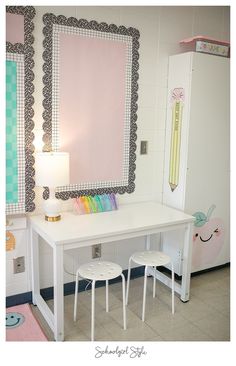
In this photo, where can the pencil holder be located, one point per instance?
(95, 204)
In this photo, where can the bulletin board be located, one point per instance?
(90, 102)
(19, 110)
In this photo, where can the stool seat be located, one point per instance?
(100, 271)
(151, 258)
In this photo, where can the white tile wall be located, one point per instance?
(161, 28)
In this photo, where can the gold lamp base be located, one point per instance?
(52, 218)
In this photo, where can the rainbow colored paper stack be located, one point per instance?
(94, 204)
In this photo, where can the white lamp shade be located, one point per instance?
(51, 169)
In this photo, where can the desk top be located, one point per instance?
(132, 218)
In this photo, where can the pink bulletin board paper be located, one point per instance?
(92, 106)
(14, 28)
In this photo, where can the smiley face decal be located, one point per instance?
(13, 320)
(208, 238)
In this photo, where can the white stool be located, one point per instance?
(99, 271)
(150, 259)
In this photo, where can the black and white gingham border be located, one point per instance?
(26, 112)
(53, 26)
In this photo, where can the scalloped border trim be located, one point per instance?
(51, 19)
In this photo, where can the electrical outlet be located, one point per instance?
(19, 265)
(96, 251)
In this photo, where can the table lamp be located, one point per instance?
(52, 170)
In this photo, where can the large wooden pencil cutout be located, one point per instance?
(177, 99)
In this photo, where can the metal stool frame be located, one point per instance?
(93, 281)
(154, 282)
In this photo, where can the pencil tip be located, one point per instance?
(173, 186)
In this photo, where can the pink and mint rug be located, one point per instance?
(21, 325)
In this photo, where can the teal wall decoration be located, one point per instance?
(11, 133)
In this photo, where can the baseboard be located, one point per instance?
(19, 299)
(179, 278)
(210, 269)
(69, 288)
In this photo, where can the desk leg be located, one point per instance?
(187, 261)
(34, 264)
(58, 293)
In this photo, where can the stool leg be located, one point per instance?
(76, 294)
(144, 293)
(123, 294)
(154, 282)
(93, 310)
(107, 301)
(128, 281)
(173, 288)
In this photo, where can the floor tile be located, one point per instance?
(217, 327)
(188, 332)
(195, 309)
(164, 321)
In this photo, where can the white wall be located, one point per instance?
(161, 28)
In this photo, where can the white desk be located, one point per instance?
(76, 231)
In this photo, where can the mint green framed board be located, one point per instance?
(19, 110)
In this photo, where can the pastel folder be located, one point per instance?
(92, 204)
(113, 201)
(86, 204)
(98, 202)
(78, 206)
